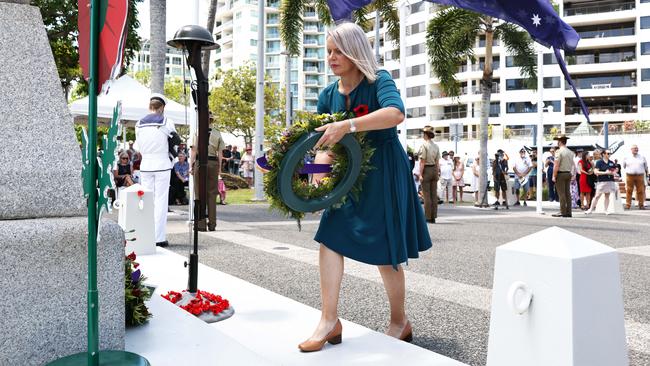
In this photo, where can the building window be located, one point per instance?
(238, 15)
(510, 62)
(253, 27)
(415, 70)
(392, 55)
(645, 48)
(415, 28)
(417, 7)
(253, 42)
(415, 49)
(645, 74)
(645, 100)
(416, 91)
(528, 107)
(549, 59)
(177, 61)
(645, 22)
(416, 112)
(254, 13)
(166, 70)
(516, 84)
(394, 74)
(551, 82)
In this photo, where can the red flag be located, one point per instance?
(112, 38)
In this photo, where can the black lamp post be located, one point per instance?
(194, 39)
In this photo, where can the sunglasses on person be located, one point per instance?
(124, 158)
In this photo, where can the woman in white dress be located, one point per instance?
(247, 166)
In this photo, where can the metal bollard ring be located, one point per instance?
(295, 156)
(522, 306)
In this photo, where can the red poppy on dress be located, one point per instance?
(360, 110)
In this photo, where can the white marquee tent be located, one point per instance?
(135, 103)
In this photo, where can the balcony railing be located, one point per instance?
(595, 9)
(605, 33)
(272, 34)
(603, 58)
(311, 95)
(311, 55)
(453, 115)
(604, 109)
(603, 83)
(481, 66)
(310, 14)
(311, 69)
(314, 29)
(312, 81)
(311, 41)
(477, 88)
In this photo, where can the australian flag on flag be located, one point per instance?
(537, 17)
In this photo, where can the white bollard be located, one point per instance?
(136, 213)
(557, 300)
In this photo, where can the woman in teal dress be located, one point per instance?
(386, 226)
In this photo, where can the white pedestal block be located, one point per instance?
(615, 203)
(136, 213)
(575, 316)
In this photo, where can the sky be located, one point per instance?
(179, 13)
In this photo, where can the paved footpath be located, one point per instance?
(448, 288)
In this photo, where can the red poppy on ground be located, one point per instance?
(360, 110)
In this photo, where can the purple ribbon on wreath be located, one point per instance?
(306, 169)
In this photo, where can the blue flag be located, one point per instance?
(537, 17)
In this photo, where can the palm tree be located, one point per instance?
(205, 61)
(291, 22)
(158, 46)
(451, 36)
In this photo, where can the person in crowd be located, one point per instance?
(429, 173)
(532, 177)
(563, 171)
(152, 133)
(573, 188)
(135, 167)
(226, 157)
(386, 225)
(131, 151)
(636, 173)
(522, 169)
(500, 177)
(605, 171)
(586, 171)
(182, 148)
(451, 155)
(222, 191)
(248, 165)
(216, 147)
(180, 180)
(576, 161)
(235, 160)
(457, 179)
(550, 166)
(618, 168)
(476, 170)
(446, 168)
(122, 173)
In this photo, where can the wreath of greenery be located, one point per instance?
(303, 188)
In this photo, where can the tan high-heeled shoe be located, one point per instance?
(407, 333)
(333, 337)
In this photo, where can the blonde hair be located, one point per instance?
(351, 40)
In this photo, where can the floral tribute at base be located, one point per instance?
(200, 303)
(135, 292)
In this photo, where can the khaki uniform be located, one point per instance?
(564, 158)
(215, 145)
(429, 155)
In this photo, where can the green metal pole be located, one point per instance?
(93, 303)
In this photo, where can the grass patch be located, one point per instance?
(241, 196)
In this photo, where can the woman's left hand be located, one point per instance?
(333, 133)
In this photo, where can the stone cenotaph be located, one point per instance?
(43, 227)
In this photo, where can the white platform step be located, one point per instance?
(265, 329)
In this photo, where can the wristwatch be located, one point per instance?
(353, 127)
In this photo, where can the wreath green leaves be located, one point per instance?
(302, 187)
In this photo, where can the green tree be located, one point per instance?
(291, 21)
(173, 87)
(451, 36)
(233, 104)
(60, 19)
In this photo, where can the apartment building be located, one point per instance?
(173, 61)
(611, 69)
(236, 32)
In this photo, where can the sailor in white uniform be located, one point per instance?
(152, 133)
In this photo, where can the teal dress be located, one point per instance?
(386, 226)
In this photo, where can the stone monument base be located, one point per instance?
(44, 271)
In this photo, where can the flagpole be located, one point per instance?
(540, 129)
(93, 298)
(259, 103)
